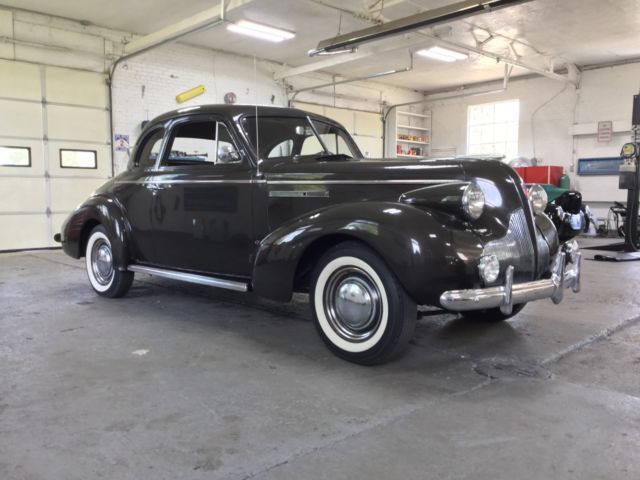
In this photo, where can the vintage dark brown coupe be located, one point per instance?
(276, 200)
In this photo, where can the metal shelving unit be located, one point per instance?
(410, 134)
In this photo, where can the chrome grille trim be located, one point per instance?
(515, 248)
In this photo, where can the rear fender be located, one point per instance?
(417, 244)
(97, 210)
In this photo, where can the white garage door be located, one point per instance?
(54, 148)
(365, 127)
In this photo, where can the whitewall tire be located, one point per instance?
(104, 276)
(361, 311)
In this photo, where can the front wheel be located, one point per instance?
(360, 309)
(104, 276)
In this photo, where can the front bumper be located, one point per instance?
(565, 274)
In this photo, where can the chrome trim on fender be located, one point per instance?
(564, 275)
(299, 193)
(191, 278)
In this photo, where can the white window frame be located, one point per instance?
(512, 137)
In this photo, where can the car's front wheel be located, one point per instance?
(105, 278)
(360, 309)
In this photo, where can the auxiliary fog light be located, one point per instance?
(489, 268)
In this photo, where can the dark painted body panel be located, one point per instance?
(240, 221)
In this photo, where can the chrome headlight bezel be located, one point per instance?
(538, 199)
(489, 268)
(473, 201)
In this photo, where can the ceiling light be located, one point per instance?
(257, 30)
(442, 54)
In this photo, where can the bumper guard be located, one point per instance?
(565, 274)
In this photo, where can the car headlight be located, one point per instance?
(473, 201)
(489, 268)
(538, 198)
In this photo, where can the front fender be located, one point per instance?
(97, 210)
(428, 251)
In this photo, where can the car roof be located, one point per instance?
(233, 111)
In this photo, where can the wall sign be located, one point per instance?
(605, 131)
(121, 143)
(599, 166)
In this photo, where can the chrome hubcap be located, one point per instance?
(102, 262)
(352, 304)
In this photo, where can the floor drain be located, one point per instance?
(509, 368)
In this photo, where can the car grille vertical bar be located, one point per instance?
(515, 248)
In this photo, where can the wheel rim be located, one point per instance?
(352, 304)
(102, 262)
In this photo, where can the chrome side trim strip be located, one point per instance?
(191, 278)
(299, 194)
(174, 182)
(296, 182)
(359, 182)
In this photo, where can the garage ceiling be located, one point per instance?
(582, 32)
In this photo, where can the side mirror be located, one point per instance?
(227, 154)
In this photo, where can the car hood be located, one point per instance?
(389, 171)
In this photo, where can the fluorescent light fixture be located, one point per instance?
(257, 30)
(442, 54)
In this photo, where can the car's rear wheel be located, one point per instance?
(492, 315)
(105, 278)
(360, 309)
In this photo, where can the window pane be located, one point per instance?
(151, 149)
(15, 157)
(193, 143)
(78, 159)
(311, 146)
(227, 151)
(493, 128)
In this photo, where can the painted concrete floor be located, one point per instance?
(183, 382)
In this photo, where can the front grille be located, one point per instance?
(515, 248)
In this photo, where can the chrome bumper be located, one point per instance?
(565, 274)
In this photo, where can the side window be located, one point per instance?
(283, 149)
(335, 143)
(311, 146)
(226, 149)
(150, 150)
(201, 143)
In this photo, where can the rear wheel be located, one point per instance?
(360, 309)
(491, 315)
(104, 276)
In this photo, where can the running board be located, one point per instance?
(191, 278)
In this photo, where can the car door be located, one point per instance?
(202, 216)
(135, 191)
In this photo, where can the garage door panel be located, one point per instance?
(77, 123)
(20, 80)
(35, 147)
(309, 107)
(24, 231)
(76, 87)
(103, 162)
(369, 146)
(340, 115)
(68, 193)
(368, 124)
(20, 119)
(22, 195)
(57, 219)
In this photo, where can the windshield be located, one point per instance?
(284, 137)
